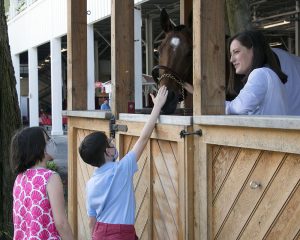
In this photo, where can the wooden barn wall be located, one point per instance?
(247, 183)
(79, 172)
(163, 183)
(269, 211)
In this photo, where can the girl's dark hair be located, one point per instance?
(93, 147)
(263, 56)
(27, 148)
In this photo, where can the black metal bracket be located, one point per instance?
(116, 127)
(184, 133)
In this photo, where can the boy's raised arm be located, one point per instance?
(158, 101)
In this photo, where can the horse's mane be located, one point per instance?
(179, 28)
(182, 28)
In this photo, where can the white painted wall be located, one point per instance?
(47, 19)
(42, 21)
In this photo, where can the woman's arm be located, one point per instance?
(252, 94)
(57, 202)
(158, 101)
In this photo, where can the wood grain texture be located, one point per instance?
(77, 54)
(209, 45)
(122, 55)
(287, 225)
(79, 172)
(242, 207)
(232, 185)
(280, 187)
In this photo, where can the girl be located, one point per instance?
(38, 205)
(263, 93)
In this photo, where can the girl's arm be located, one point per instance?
(158, 101)
(57, 202)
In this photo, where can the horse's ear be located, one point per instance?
(165, 22)
(190, 20)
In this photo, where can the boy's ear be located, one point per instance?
(106, 151)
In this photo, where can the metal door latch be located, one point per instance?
(119, 128)
(116, 128)
(184, 133)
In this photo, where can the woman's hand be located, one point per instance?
(188, 87)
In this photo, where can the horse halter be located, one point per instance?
(171, 75)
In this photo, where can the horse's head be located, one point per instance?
(175, 62)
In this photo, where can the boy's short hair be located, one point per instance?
(93, 147)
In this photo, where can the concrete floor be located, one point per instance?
(61, 160)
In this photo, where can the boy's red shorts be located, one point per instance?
(106, 231)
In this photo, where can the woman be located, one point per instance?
(263, 92)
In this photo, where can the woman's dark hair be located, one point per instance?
(93, 147)
(263, 56)
(27, 148)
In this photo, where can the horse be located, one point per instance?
(175, 67)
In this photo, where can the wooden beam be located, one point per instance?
(72, 178)
(77, 55)
(238, 14)
(122, 54)
(209, 57)
(186, 8)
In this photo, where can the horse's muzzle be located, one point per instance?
(171, 103)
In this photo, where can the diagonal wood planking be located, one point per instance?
(163, 183)
(240, 212)
(287, 226)
(280, 188)
(221, 165)
(83, 173)
(168, 152)
(232, 185)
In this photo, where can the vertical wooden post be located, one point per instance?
(72, 178)
(77, 55)
(238, 14)
(189, 184)
(122, 54)
(209, 57)
(77, 92)
(186, 7)
(208, 98)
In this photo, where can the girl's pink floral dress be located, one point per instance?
(32, 214)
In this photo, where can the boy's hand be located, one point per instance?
(161, 97)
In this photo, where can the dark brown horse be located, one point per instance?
(175, 66)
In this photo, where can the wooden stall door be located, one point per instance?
(255, 194)
(162, 188)
(79, 173)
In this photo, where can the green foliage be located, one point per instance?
(5, 235)
(52, 166)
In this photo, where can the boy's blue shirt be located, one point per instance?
(110, 192)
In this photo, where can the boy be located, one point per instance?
(110, 193)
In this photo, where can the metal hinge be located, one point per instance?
(119, 128)
(116, 128)
(184, 133)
